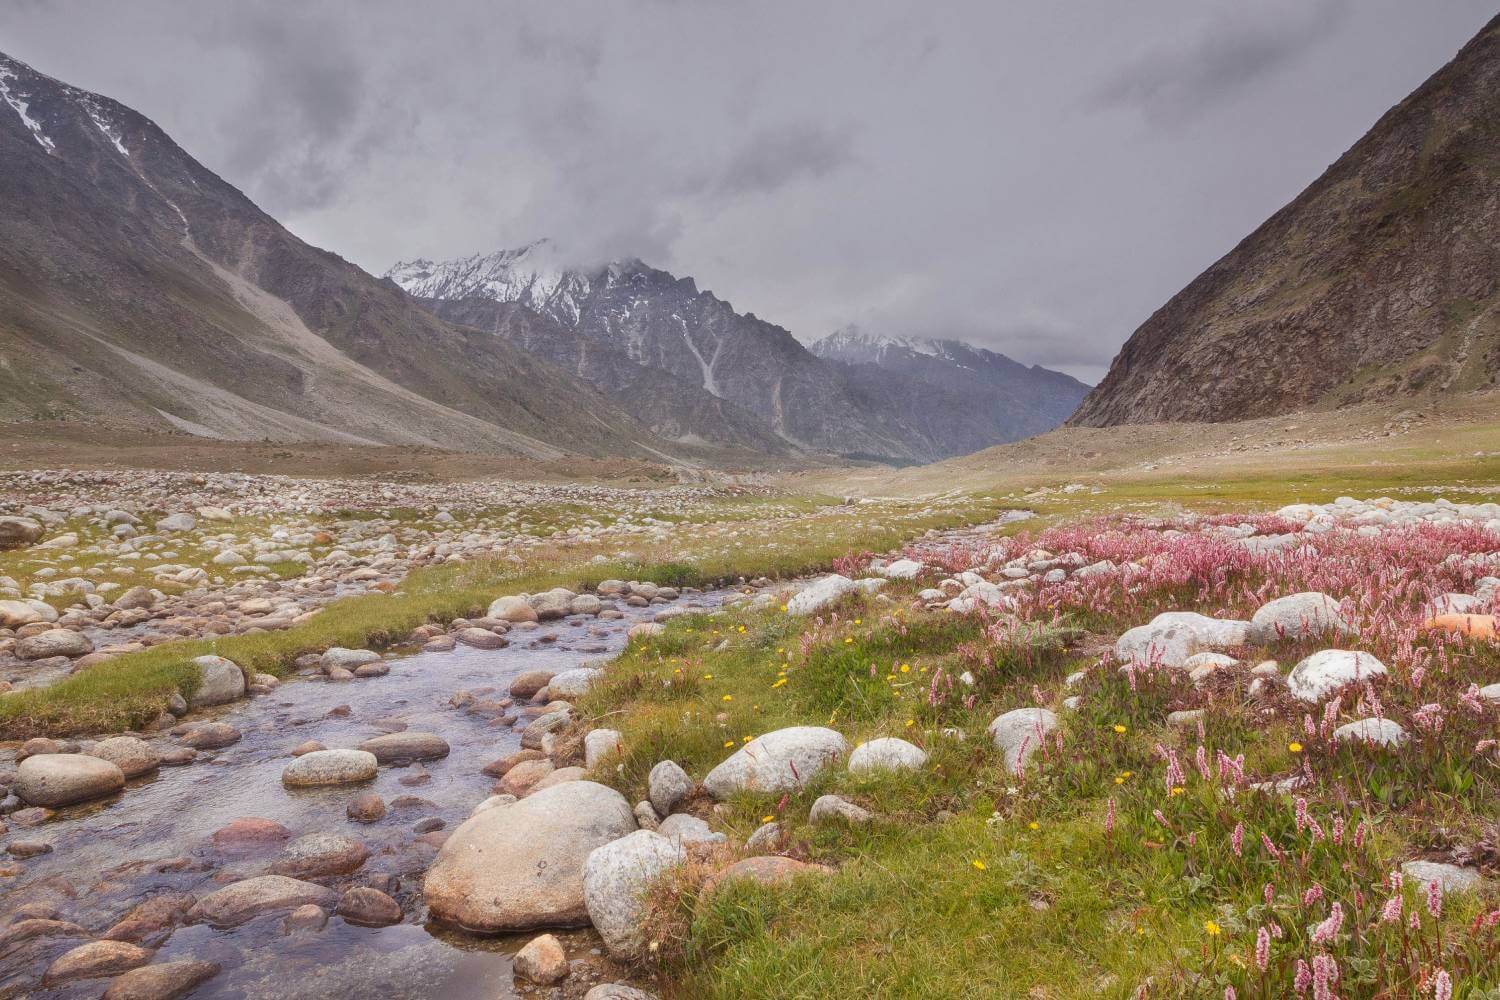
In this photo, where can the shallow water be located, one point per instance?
(105, 854)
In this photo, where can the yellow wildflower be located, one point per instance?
(978, 865)
(1119, 728)
(1213, 929)
(1294, 747)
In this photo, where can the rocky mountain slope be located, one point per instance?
(625, 316)
(1001, 399)
(1382, 278)
(137, 288)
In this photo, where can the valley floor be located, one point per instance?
(1177, 829)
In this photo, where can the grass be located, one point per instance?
(132, 689)
(972, 881)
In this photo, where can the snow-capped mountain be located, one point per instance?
(658, 321)
(1007, 400)
(140, 291)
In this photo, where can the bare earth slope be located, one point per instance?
(1382, 278)
(137, 288)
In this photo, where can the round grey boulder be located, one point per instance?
(779, 761)
(405, 747)
(220, 681)
(349, 659)
(571, 684)
(236, 903)
(61, 779)
(887, 754)
(1018, 733)
(615, 879)
(330, 767)
(55, 642)
(520, 867)
(131, 755)
(667, 785)
(1297, 616)
(1374, 732)
(1326, 671)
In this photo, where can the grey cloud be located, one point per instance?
(1243, 45)
(772, 157)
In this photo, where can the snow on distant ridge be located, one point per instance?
(535, 275)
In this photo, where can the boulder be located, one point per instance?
(60, 779)
(520, 866)
(1323, 673)
(615, 879)
(820, 594)
(520, 779)
(14, 614)
(511, 609)
(667, 784)
(1172, 637)
(177, 522)
(617, 991)
(555, 603)
(250, 834)
(1375, 732)
(779, 761)
(1475, 626)
(163, 981)
(367, 907)
(135, 598)
(330, 767)
(366, 808)
(481, 638)
(18, 531)
(684, 828)
(586, 604)
(210, 736)
(599, 745)
(319, 855)
(902, 569)
(240, 901)
(1018, 733)
(1450, 878)
(54, 642)
(95, 960)
(571, 684)
(887, 754)
(131, 755)
(1297, 616)
(769, 869)
(349, 659)
(405, 747)
(559, 776)
(527, 684)
(220, 681)
(832, 808)
(542, 961)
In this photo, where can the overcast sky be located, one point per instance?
(1036, 177)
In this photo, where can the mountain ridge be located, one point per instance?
(138, 287)
(1380, 279)
(656, 320)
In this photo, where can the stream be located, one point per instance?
(110, 855)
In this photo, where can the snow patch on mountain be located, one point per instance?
(22, 106)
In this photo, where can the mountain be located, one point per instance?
(1381, 279)
(1001, 399)
(138, 288)
(625, 316)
